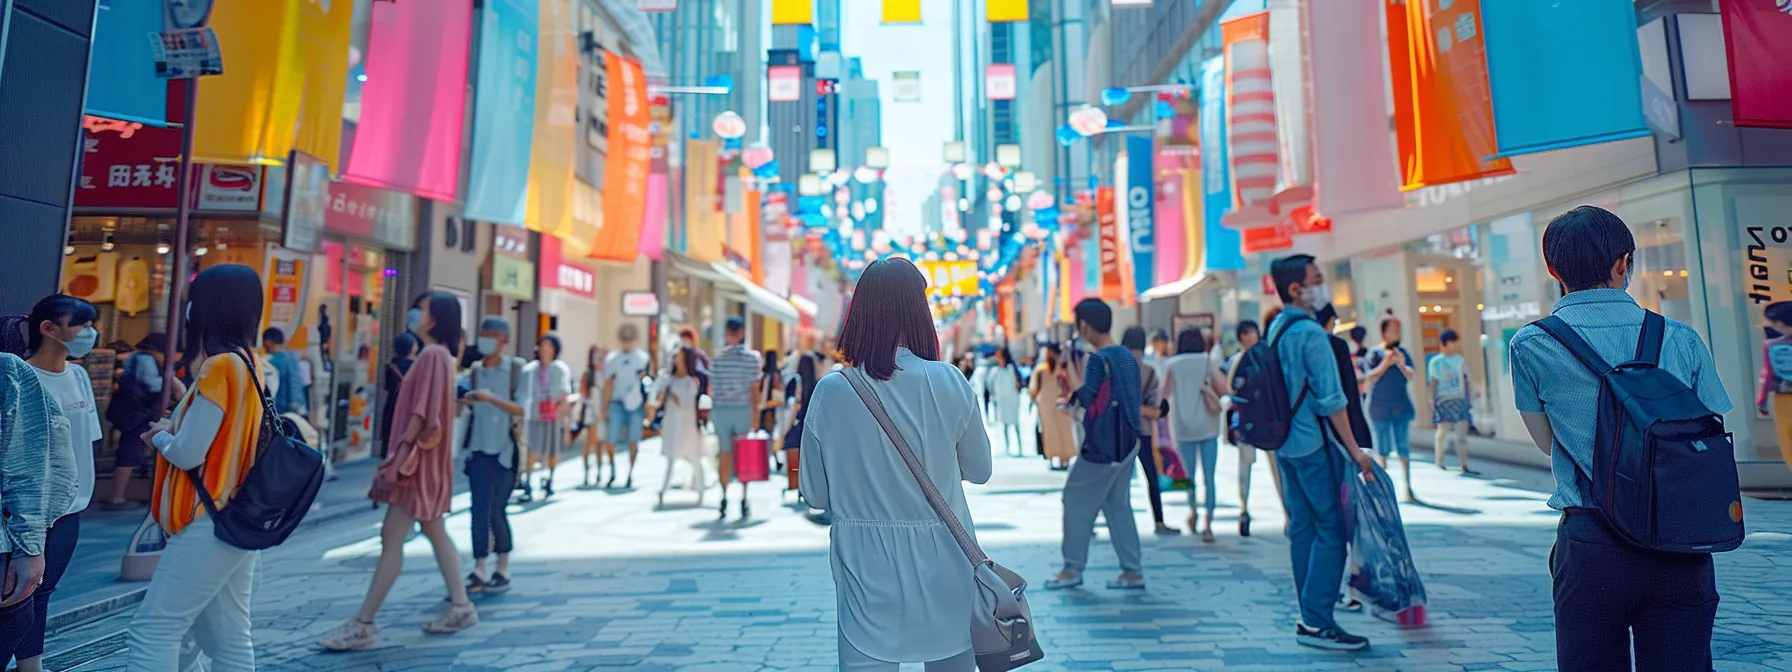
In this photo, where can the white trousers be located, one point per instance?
(201, 586)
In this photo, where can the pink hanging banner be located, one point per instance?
(1171, 227)
(1353, 148)
(414, 99)
(653, 224)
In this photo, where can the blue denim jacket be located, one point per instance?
(1307, 364)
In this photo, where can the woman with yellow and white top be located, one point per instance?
(201, 583)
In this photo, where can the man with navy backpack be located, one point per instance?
(1630, 410)
(1312, 464)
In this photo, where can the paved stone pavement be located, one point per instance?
(605, 581)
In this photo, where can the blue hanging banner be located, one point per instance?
(1563, 74)
(1224, 248)
(1140, 196)
(503, 112)
(122, 83)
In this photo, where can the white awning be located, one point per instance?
(733, 286)
(758, 299)
(804, 305)
(1177, 288)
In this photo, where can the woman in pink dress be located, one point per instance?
(416, 480)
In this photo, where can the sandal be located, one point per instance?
(1062, 582)
(1127, 582)
(454, 618)
(351, 636)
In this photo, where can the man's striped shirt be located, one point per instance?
(731, 376)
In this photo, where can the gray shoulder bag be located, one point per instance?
(1002, 623)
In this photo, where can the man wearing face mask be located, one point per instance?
(1312, 460)
(497, 398)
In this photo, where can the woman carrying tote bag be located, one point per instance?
(907, 587)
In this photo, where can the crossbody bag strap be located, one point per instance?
(856, 378)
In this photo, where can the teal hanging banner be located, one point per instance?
(1140, 201)
(503, 112)
(1564, 73)
(122, 82)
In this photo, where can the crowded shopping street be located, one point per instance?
(610, 581)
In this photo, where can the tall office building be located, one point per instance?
(709, 42)
(861, 115)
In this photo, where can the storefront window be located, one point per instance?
(1743, 252)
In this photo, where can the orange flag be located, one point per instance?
(1443, 109)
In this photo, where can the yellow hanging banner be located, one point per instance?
(1002, 11)
(902, 11)
(548, 205)
(793, 12)
(285, 85)
(705, 226)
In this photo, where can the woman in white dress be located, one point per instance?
(680, 437)
(904, 588)
(1004, 381)
(1194, 387)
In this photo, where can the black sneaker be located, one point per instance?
(476, 584)
(1331, 639)
(498, 584)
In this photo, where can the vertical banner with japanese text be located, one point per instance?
(503, 112)
(1108, 232)
(1443, 111)
(1353, 151)
(626, 166)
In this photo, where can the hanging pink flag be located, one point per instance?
(653, 220)
(1353, 146)
(1171, 237)
(413, 101)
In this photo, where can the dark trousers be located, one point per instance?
(59, 548)
(15, 622)
(1148, 457)
(490, 484)
(1610, 594)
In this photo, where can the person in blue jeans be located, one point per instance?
(1390, 402)
(1313, 457)
(1611, 598)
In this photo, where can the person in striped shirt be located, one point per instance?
(734, 385)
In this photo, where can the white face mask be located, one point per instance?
(83, 343)
(488, 345)
(1316, 296)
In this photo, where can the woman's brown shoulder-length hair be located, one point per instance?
(889, 309)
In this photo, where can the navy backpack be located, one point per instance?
(1664, 470)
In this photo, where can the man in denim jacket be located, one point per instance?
(1312, 460)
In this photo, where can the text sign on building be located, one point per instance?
(640, 304)
(558, 273)
(999, 81)
(784, 83)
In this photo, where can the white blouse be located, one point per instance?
(904, 588)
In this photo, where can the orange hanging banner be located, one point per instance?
(1443, 109)
(1108, 230)
(625, 169)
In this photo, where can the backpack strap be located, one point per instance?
(1564, 334)
(1648, 345)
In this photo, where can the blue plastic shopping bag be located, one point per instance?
(1381, 565)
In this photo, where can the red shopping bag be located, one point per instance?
(752, 457)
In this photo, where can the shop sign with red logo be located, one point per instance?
(125, 164)
(1267, 238)
(556, 273)
(229, 188)
(381, 215)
